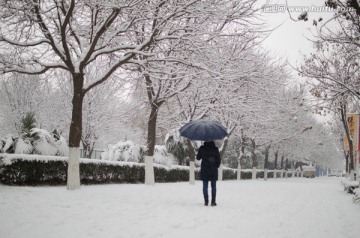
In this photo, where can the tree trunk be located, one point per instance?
(347, 132)
(266, 162)
(282, 166)
(87, 150)
(73, 176)
(241, 153)
(192, 162)
(346, 162)
(151, 135)
(150, 148)
(276, 159)
(282, 162)
(253, 158)
(253, 155)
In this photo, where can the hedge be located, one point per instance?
(42, 170)
(52, 170)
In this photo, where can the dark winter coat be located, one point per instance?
(210, 156)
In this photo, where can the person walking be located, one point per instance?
(210, 156)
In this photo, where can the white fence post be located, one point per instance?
(149, 170)
(254, 173)
(73, 179)
(239, 172)
(275, 173)
(220, 173)
(265, 174)
(192, 173)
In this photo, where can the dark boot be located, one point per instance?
(206, 201)
(213, 203)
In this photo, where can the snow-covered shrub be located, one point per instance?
(37, 141)
(63, 148)
(176, 145)
(350, 186)
(123, 151)
(32, 140)
(161, 156)
(7, 144)
(23, 146)
(45, 143)
(128, 151)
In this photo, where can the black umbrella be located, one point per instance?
(203, 130)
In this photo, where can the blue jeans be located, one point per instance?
(213, 189)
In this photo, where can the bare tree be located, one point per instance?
(333, 75)
(333, 70)
(171, 67)
(38, 37)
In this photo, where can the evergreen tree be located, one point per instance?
(28, 122)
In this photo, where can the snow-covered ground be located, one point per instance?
(279, 208)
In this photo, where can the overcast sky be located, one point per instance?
(289, 40)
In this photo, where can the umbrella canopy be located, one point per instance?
(203, 130)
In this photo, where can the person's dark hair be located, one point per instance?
(209, 144)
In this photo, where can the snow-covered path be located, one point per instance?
(281, 208)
